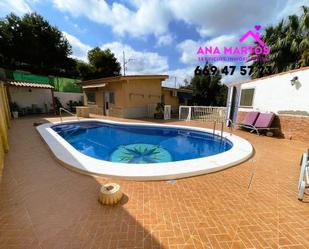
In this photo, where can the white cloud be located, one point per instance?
(165, 40)
(17, 6)
(150, 17)
(79, 49)
(178, 76)
(97, 11)
(141, 62)
(236, 77)
(188, 50)
(149, 63)
(291, 7)
(215, 17)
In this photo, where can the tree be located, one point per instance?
(103, 63)
(31, 43)
(83, 69)
(208, 90)
(289, 45)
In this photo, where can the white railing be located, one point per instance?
(167, 112)
(67, 111)
(213, 114)
(202, 113)
(185, 113)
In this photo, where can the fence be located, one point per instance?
(4, 123)
(65, 85)
(60, 84)
(202, 113)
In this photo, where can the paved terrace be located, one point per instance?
(252, 205)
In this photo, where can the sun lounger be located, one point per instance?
(250, 118)
(248, 121)
(256, 122)
(264, 122)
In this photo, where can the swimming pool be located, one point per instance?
(142, 151)
(140, 144)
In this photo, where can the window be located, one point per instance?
(246, 97)
(90, 97)
(112, 97)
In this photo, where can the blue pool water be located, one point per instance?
(140, 144)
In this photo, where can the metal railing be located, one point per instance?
(212, 114)
(67, 111)
(202, 113)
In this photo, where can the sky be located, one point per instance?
(157, 36)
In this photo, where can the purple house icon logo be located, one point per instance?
(254, 35)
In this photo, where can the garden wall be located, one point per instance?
(65, 98)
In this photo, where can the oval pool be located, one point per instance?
(142, 151)
(140, 144)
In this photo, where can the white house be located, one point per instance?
(285, 94)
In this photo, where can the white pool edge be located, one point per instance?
(70, 157)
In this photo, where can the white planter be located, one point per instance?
(15, 115)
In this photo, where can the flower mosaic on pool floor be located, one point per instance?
(141, 153)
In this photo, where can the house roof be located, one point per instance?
(185, 90)
(28, 84)
(120, 78)
(94, 85)
(269, 76)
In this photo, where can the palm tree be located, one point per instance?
(289, 46)
(304, 44)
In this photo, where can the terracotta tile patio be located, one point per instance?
(252, 205)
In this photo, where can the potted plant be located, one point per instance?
(14, 109)
(159, 114)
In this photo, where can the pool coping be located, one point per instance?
(68, 156)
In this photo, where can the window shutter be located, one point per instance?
(246, 97)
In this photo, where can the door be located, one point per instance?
(106, 103)
(233, 104)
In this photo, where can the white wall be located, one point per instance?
(24, 98)
(276, 94)
(65, 97)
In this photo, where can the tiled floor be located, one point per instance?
(252, 205)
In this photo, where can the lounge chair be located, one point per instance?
(303, 181)
(257, 122)
(264, 122)
(248, 121)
